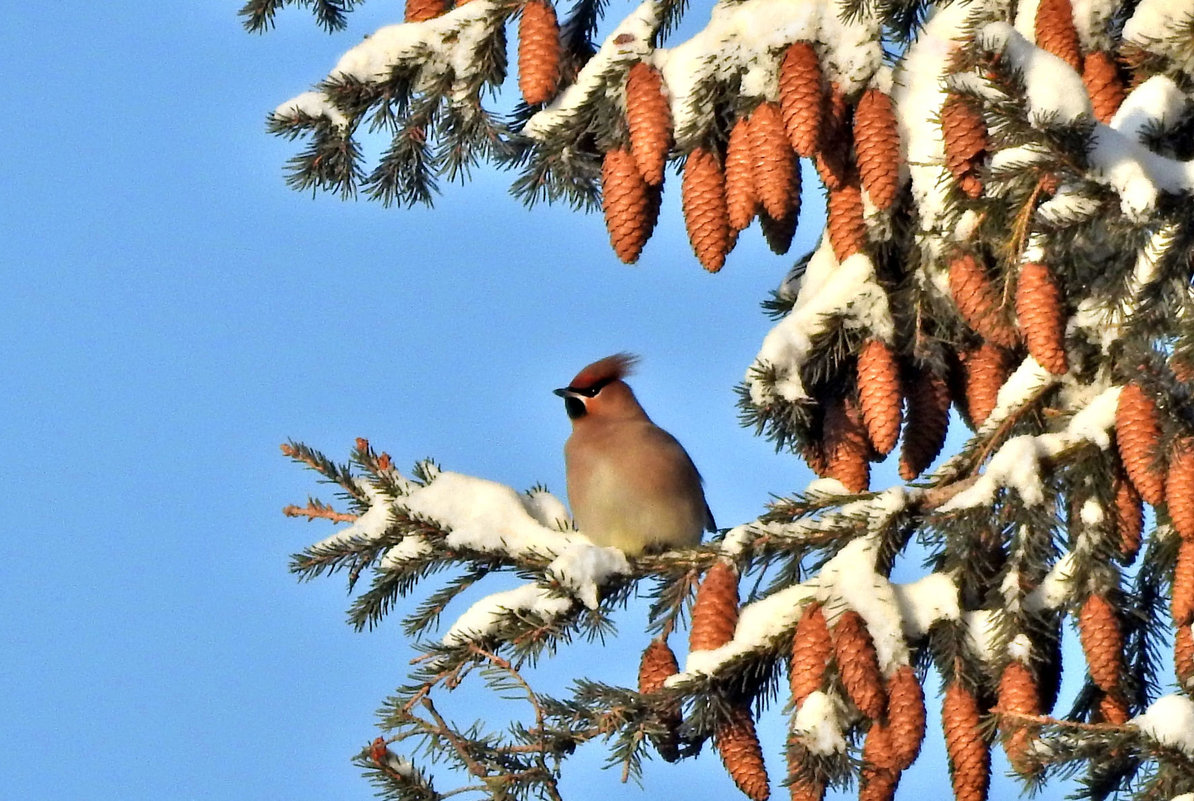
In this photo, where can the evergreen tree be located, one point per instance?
(1009, 232)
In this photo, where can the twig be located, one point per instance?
(315, 509)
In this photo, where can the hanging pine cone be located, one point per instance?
(741, 753)
(626, 201)
(423, 10)
(847, 449)
(802, 784)
(877, 147)
(538, 52)
(801, 97)
(969, 759)
(1055, 32)
(987, 368)
(812, 648)
(858, 665)
(1129, 517)
(1179, 487)
(965, 136)
(703, 198)
(1113, 709)
(715, 613)
(1138, 436)
(832, 160)
(774, 160)
(1018, 694)
(1102, 642)
(649, 119)
(658, 663)
(879, 394)
(1181, 600)
(1101, 76)
(879, 776)
(844, 221)
(905, 716)
(1183, 657)
(742, 201)
(926, 425)
(1042, 316)
(779, 232)
(978, 301)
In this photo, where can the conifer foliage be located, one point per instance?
(1007, 186)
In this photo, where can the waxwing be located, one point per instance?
(631, 485)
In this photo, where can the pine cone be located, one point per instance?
(1101, 76)
(774, 160)
(1183, 657)
(879, 776)
(1042, 316)
(812, 648)
(844, 221)
(779, 232)
(879, 394)
(847, 449)
(969, 759)
(1055, 32)
(803, 780)
(649, 118)
(538, 52)
(1018, 694)
(801, 97)
(905, 716)
(858, 665)
(877, 146)
(965, 136)
(704, 203)
(1113, 709)
(625, 198)
(1102, 642)
(742, 200)
(926, 425)
(423, 10)
(987, 368)
(832, 160)
(715, 613)
(1181, 600)
(1129, 518)
(978, 301)
(1138, 436)
(1179, 487)
(741, 753)
(657, 665)
(813, 454)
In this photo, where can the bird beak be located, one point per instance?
(563, 392)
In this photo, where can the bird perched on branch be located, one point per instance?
(631, 485)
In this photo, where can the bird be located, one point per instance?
(631, 485)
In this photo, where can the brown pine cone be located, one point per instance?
(965, 136)
(832, 160)
(1138, 436)
(1042, 316)
(741, 753)
(905, 716)
(1113, 709)
(1101, 76)
(649, 119)
(1179, 487)
(715, 613)
(1102, 642)
(1181, 600)
(969, 758)
(538, 52)
(877, 145)
(879, 394)
(803, 782)
(858, 665)
(774, 160)
(801, 97)
(1183, 657)
(812, 648)
(1018, 694)
(626, 201)
(658, 663)
(926, 425)
(423, 10)
(703, 197)
(742, 200)
(1129, 517)
(987, 368)
(844, 220)
(847, 449)
(779, 232)
(1055, 32)
(879, 775)
(979, 302)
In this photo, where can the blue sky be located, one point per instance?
(172, 312)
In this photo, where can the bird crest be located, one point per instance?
(603, 371)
